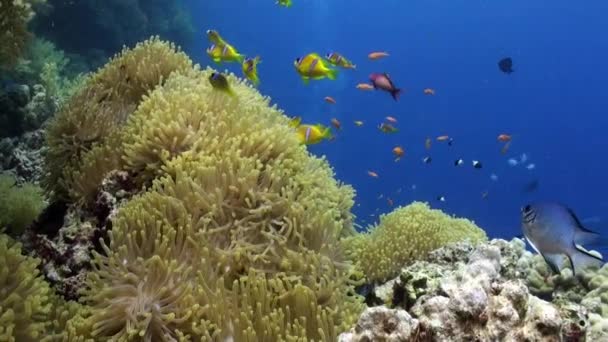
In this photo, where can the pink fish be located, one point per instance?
(384, 82)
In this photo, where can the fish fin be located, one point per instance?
(306, 80)
(326, 132)
(295, 122)
(240, 57)
(583, 235)
(554, 261)
(395, 94)
(582, 258)
(332, 74)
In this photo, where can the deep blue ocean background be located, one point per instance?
(555, 104)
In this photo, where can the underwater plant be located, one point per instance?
(20, 205)
(235, 233)
(14, 34)
(94, 112)
(405, 235)
(24, 295)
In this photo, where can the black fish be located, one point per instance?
(506, 65)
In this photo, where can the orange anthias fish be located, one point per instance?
(391, 119)
(365, 86)
(427, 143)
(389, 202)
(398, 152)
(372, 174)
(329, 99)
(505, 148)
(504, 138)
(443, 138)
(336, 123)
(429, 91)
(377, 55)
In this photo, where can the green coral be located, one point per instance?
(86, 123)
(14, 34)
(405, 235)
(24, 296)
(19, 205)
(236, 233)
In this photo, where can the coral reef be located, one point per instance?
(19, 205)
(22, 156)
(465, 293)
(384, 324)
(77, 135)
(206, 218)
(14, 34)
(24, 296)
(404, 235)
(266, 216)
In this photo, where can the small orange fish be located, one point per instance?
(330, 99)
(391, 119)
(443, 138)
(398, 152)
(504, 138)
(505, 148)
(359, 123)
(377, 55)
(429, 91)
(336, 123)
(372, 174)
(365, 86)
(427, 143)
(389, 202)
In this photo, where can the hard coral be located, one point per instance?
(86, 123)
(405, 235)
(24, 296)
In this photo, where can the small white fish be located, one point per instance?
(441, 198)
(477, 164)
(458, 162)
(414, 187)
(531, 166)
(512, 162)
(494, 177)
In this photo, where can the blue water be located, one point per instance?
(554, 104)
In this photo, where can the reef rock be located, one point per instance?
(383, 324)
(466, 293)
(23, 156)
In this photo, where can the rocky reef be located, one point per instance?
(463, 292)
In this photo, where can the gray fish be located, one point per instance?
(553, 230)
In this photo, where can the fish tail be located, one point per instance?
(332, 74)
(327, 133)
(240, 58)
(581, 259)
(395, 94)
